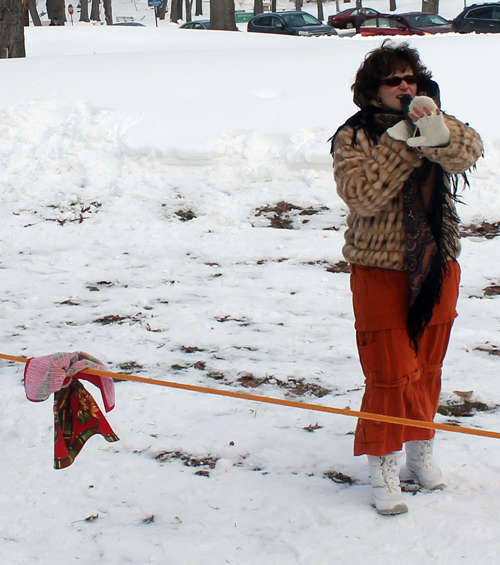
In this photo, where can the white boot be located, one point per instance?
(386, 490)
(421, 463)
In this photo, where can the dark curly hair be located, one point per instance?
(382, 62)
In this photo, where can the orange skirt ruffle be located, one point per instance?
(398, 382)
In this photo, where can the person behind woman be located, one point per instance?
(402, 245)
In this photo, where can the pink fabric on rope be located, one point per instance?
(50, 373)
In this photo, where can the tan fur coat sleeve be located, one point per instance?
(369, 177)
(463, 151)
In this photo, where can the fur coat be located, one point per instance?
(370, 179)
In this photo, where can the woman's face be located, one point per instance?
(390, 96)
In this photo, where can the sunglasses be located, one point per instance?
(396, 81)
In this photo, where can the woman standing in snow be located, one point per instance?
(402, 245)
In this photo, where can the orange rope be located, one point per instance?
(280, 402)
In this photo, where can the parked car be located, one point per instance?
(481, 18)
(413, 23)
(197, 24)
(133, 24)
(289, 23)
(347, 18)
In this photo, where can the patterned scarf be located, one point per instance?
(76, 419)
(427, 236)
(76, 415)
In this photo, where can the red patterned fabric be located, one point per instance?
(76, 419)
(76, 415)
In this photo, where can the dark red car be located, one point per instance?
(347, 18)
(413, 23)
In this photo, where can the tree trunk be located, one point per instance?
(198, 11)
(56, 11)
(337, 6)
(359, 3)
(431, 6)
(258, 7)
(94, 12)
(392, 6)
(188, 4)
(176, 11)
(84, 11)
(273, 5)
(321, 15)
(222, 15)
(26, 14)
(11, 29)
(34, 13)
(108, 12)
(162, 10)
(298, 5)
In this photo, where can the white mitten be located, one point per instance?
(402, 131)
(433, 131)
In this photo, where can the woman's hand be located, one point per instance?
(426, 111)
(430, 121)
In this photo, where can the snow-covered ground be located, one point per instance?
(140, 171)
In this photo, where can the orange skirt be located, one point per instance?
(398, 382)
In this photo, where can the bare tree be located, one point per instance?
(359, 4)
(162, 10)
(56, 11)
(176, 11)
(94, 12)
(298, 5)
(84, 11)
(188, 5)
(392, 5)
(198, 11)
(11, 29)
(108, 12)
(321, 14)
(431, 6)
(258, 7)
(34, 13)
(222, 15)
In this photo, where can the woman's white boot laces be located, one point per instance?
(421, 463)
(386, 489)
